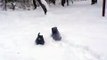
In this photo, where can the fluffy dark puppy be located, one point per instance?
(55, 34)
(40, 40)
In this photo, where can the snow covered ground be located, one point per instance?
(83, 31)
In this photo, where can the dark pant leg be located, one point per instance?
(43, 6)
(62, 2)
(93, 1)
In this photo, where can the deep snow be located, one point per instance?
(83, 31)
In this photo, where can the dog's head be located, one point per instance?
(54, 30)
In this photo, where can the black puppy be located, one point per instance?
(40, 40)
(55, 34)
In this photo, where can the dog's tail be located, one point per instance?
(38, 33)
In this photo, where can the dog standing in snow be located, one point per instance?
(40, 40)
(55, 34)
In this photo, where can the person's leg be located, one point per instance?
(93, 1)
(43, 6)
(62, 2)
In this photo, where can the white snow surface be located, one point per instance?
(83, 31)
